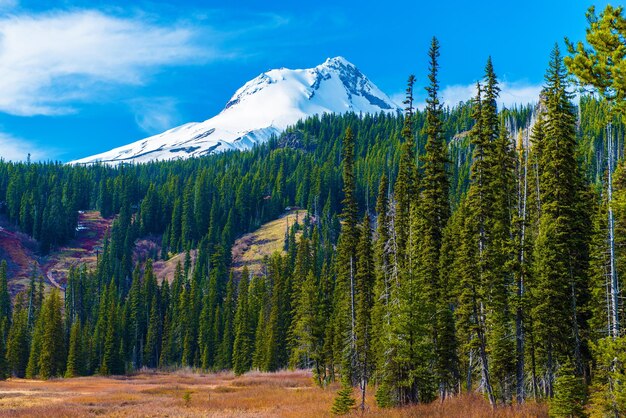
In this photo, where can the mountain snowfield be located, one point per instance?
(263, 107)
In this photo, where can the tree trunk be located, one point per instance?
(613, 270)
(483, 357)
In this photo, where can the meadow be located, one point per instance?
(189, 394)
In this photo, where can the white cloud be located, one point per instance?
(155, 114)
(511, 93)
(17, 149)
(52, 59)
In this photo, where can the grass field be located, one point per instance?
(187, 394)
(250, 249)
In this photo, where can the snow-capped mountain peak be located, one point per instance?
(262, 107)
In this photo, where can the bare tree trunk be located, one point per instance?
(469, 371)
(614, 280)
(352, 320)
(483, 357)
(550, 373)
(363, 385)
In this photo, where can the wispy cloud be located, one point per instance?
(511, 93)
(155, 114)
(51, 60)
(18, 149)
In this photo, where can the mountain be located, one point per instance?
(263, 107)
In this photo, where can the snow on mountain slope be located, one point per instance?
(263, 107)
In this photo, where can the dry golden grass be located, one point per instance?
(165, 269)
(187, 394)
(270, 237)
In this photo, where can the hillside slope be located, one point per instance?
(250, 249)
(20, 252)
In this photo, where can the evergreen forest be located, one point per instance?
(444, 250)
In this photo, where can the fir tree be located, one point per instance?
(381, 311)
(111, 362)
(405, 188)
(74, 367)
(243, 344)
(225, 351)
(344, 304)
(18, 342)
(305, 327)
(5, 298)
(560, 251)
(153, 338)
(52, 354)
(344, 401)
(364, 300)
(608, 389)
(569, 394)
(435, 210)
(4, 364)
(481, 270)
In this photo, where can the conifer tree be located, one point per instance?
(4, 364)
(344, 310)
(608, 390)
(478, 255)
(18, 342)
(5, 298)
(405, 188)
(243, 344)
(364, 300)
(435, 210)
(501, 341)
(306, 327)
(601, 62)
(599, 303)
(32, 369)
(167, 342)
(569, 394)
(137, 319)
(153, 338)
(111, 362)
(74, 367)
(344, 401)
(560, 251)
(303, 264)
(225, 351)
(381, 311)
(52, 354)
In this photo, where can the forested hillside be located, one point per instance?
(446, 250)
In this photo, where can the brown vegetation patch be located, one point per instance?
(186, 394)
(83, 249)
(165, 269)
(19, 251)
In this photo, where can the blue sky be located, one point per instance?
(81, 77)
